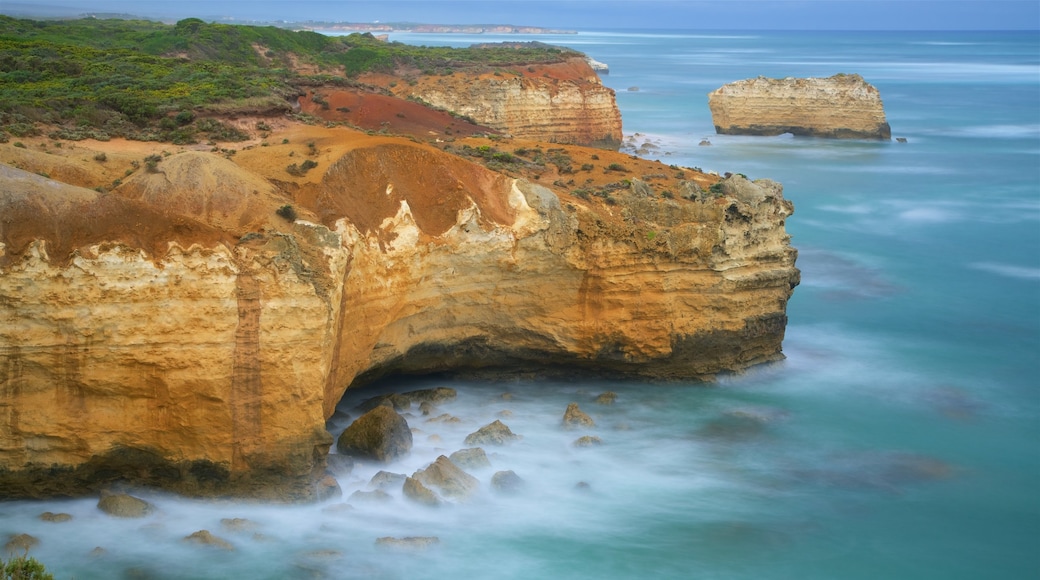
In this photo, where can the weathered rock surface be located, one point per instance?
(206, 538)
(507, 482)
(574, 417)
(414, 490)
(561, 103)
(494, 433)
(472, 458)
(122, 505)
(606, 398)
(380, 434)
(55, 518)
(587, 441)
(448, 479)
(189, 338)
(842, 106)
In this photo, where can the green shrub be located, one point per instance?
(101, 157)
(617, 167)
(23, 568)
(287, 212)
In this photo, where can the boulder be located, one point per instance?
(386, 480)
(574, 417)
(448, 479)
(415, 490)
(495, 433)
(507, 482)
(56, 518)
(587, 441)
(607, 398)
(444, 418)
(123, 505)
(205, 538)
(327, 488)
(380, 434)
(472, 458)
(402, 401)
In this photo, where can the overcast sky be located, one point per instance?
(590, 14)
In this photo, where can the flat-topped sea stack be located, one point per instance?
(839, 107)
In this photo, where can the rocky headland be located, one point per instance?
(842, 107)
(189, 316)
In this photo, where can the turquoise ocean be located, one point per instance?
(899, 439)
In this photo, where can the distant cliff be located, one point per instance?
(842, 107)
(176, 331)
(556, 102)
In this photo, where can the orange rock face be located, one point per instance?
(559, 103)
(177, 332)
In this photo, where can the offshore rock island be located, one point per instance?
(186, 310)
(842, 107)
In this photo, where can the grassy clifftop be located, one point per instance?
(145, 80)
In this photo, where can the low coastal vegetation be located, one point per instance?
(149, 81)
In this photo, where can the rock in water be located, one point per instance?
(496, 433)
(574, 417)
(507, 482)
(410, 543)
(587, 441)
(205, 538)
(380, 434)
(471, 458)
(386, 480)
(447, 478)
(122, 505)
(415, 490)
(607, 398)
(53, 517)
(840, 107)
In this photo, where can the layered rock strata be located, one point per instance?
(559, 103)
(176, 332)
(842, 106)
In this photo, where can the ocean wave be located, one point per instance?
(1029, 130)
(1007, 270)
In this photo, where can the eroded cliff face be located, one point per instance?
(841, 106)
(558, 103)
(194, 341)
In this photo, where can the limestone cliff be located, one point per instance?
(559, 103)
(176, 332)
(842, 106)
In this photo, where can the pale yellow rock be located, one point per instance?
(842, 106)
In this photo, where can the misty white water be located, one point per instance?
(898, 440)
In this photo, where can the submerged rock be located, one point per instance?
(374, 496)
(122, 505)
(327, 488)
(56, 518)
(205, 538)
(410, 543)
(380, 434)
(507, 482)
(404, 401)
(494, 433)
(587, 441)
(451, 481)
(606, 398)
(386, 480)
(239, 525)
(472, 458)
(574, 417)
